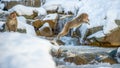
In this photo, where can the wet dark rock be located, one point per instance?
(21, 30)
(60, 42)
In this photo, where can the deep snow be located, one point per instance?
(24, 51)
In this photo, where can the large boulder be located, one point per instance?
(45, 30)
(32, 16)
(52, 19)
(106, 40)
(37, 24)
(114, 38)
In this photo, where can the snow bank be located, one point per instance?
(23, 51)
(25, 10)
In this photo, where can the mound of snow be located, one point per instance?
(23, 25)
(23, 51)
(25, 10)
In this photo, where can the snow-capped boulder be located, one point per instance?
(112, 39)
(62, 6)
(52, 19)
(45, 30)
(33, 16)
(26, 10)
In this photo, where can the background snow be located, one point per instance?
(25, 10)
(23, 51)
(66, 6)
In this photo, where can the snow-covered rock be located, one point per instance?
(45, 30)
(62, 6)
(24, 51)
(52, 19)
(22, 25)
(25, 10)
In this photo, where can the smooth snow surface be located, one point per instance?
(24, 51)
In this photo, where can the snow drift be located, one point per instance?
(23, 51)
